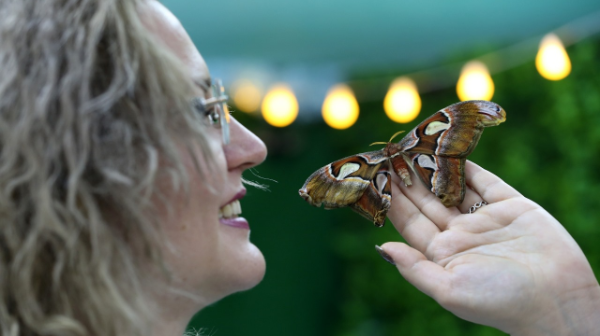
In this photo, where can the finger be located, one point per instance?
(506, 212)
(429, 204)
(429, 277)
(415, 227)
(471, 198)
(489, 186)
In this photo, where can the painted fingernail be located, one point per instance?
(384, 255)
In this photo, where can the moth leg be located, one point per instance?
(376, 200)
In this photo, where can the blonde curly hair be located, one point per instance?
(93, 111)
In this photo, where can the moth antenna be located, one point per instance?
(395, 135)
(385, 143)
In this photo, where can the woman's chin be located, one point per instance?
(252, 269)
(241, 267)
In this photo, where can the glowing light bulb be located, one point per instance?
(280, 107)
(340, 108)
(402, 103)
(475, 82)
(246, 95)
(552, 60)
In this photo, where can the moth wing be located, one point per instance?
(343, 182)
(443, 176)
(453, 131)
(376, 199)
(437, 148)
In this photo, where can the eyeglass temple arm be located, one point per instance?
(214, 100)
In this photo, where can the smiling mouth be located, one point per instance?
(231, 210)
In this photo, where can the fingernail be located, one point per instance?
(384, 255)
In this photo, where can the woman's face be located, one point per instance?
(211, 255)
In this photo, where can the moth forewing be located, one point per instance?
(343, 182)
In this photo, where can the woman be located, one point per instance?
(120, 179)
(119, 199)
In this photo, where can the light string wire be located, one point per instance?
(445, 76)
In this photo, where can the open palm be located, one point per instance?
(509, 265)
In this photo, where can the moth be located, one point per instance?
(436, 151)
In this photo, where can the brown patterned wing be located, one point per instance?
(437, 149)
(443, 176)
(376, 199)
(453, 131)
(361, 182)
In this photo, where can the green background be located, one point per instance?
(323, 274)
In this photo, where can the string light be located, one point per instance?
(552, 60)
(475, 82)
(246, 95)
(402, 103)
(280, 107)
(340, 108)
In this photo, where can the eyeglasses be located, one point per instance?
(215, 109)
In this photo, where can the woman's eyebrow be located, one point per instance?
(203, 83)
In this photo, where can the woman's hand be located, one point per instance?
(509, 265)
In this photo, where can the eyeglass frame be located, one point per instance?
(218, 101)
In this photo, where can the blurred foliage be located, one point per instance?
(324, 276)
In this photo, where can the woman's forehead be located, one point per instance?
(169, 31)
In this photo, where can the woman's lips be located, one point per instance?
(237, 222)
(238, 196)
(228, 214)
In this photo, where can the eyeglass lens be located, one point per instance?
(219, 93)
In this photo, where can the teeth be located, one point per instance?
(231, 210)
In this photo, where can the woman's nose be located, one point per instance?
(245, 150)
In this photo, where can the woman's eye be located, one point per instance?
(214, 118)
